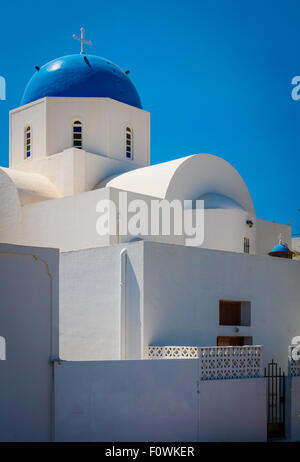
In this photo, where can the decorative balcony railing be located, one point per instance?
(216, 362)
(294, 365)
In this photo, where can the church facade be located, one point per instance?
(81, 138)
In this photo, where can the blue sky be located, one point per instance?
(216, 77)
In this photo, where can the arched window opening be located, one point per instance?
(77, 134)
(129, 143)
(27, 142)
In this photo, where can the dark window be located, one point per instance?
(232, 313)
(246, 245)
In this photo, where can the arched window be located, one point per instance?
(129, 143)
(27, 142)
(77, 134)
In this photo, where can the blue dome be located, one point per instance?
(280, 248)
(84, 76)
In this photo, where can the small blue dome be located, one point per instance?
(81, 76)
(280, 248)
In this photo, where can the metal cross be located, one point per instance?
(82, 40)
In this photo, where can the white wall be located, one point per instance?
(90, 316)
(68, 223)
(29, 324)
(233, 410)
(183, 287)
(223, 229)
(74, 171)
(104, 130)
(190, 177)
(172, 298)
(226, 230)
(155, 401)
(104, 123)
(10, 211)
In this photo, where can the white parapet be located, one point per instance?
(230, 362)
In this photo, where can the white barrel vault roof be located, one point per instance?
(31, 187)
(186, 178)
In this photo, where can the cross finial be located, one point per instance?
(82, 40)
(280, 238)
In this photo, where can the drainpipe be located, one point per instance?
(123, 266)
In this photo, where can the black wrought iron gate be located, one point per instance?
(276, 400)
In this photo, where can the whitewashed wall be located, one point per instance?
(172, 298)
(104, 123)
(10, 211)
(29, 324)
(90, 312)
(33, 114)
(68, 223)
(233, 410)
(155, 401)
(296, 244)
(74, 171)
(226, 230)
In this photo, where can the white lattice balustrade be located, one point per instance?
(216, 362)
(294, 365)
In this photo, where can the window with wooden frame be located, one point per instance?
(234, 341)
(234, 313)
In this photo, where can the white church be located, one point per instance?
(78, 306)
